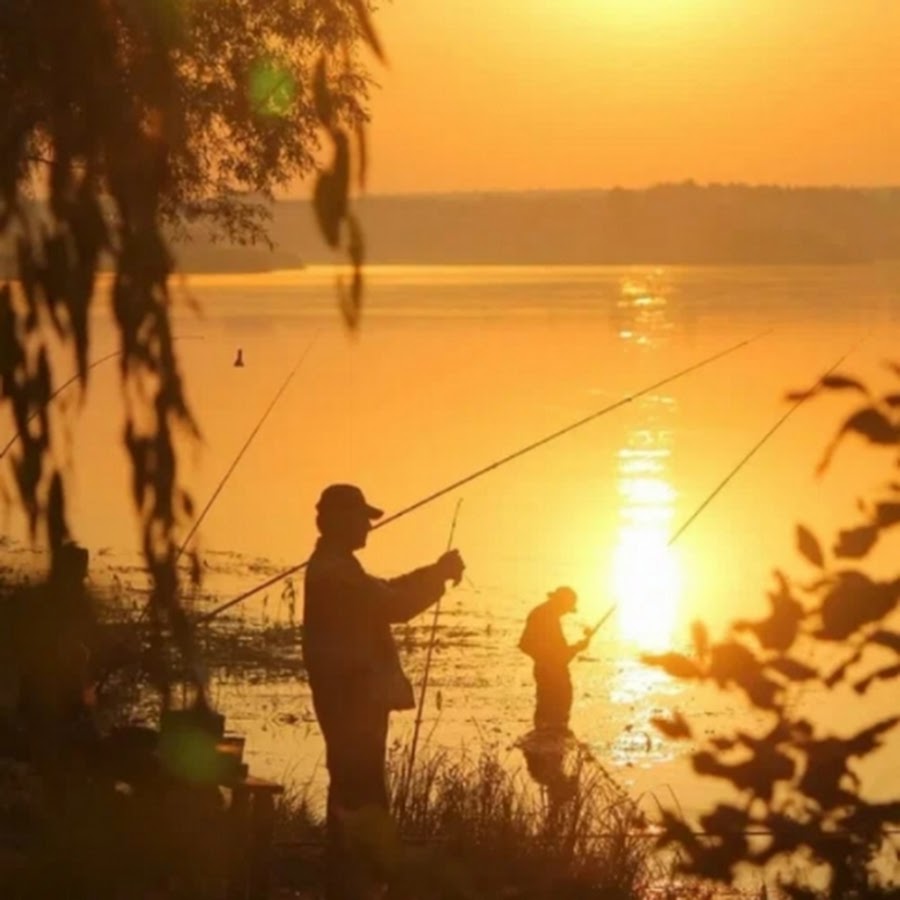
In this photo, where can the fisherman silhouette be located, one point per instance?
(239, 360)
(544, 642)
(355, 673)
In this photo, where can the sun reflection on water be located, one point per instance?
(645, 574)
(646, 578)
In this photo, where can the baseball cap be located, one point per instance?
(346, 498)
(563, 593)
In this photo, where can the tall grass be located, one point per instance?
(476, 827)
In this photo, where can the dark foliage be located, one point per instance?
(798, 777)
(118, 118)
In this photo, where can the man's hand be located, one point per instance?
(451, 566)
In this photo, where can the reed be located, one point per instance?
(474, 826)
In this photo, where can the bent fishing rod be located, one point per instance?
(744, 460)
(497, 464)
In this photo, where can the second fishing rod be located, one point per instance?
(801, 399)
(590, 632)
(496, 464)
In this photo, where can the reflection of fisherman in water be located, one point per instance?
(544, 642)
(545, 761)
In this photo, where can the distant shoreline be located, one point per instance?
(668, 225)
(679, 224)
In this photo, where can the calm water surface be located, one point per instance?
(455, 368)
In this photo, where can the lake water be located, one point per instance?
(455, 368)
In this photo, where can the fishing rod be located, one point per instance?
(237, 459)
(496, 465)
(244, 448)
(54, 395)
(72, 380)
(146, 609)
(431, 642)
(745, 459)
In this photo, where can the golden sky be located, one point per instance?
(537, 94)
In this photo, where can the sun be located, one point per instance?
(646, 581)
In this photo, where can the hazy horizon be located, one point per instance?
(298, 197)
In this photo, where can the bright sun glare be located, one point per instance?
(645, 575)
(660, 13)
(646, 580)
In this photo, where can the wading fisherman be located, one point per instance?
(544, 642)
(354, 670)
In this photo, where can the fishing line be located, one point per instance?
(748, 456)
(496, 465)
(431, 643)
(70, 381)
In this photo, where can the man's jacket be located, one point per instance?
(543, 639)
(348, 647)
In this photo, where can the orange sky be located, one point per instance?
(531, 94)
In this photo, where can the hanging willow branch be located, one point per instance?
(108, 132)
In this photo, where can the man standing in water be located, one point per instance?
(354, 670)
(544, 642)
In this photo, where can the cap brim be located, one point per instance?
(373, 512)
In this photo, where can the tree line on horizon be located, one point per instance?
(684, 223)
(667, 224)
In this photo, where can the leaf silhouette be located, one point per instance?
(322, 95)
(368, 30)
(854, 543)
(779, 630)
(841, 670)
(674, 663)
(853, 601)
(842, 382)
(758, 774)
(733, 662)
(331, 192)
(885, 674)
(329, 206)
(808, 545)
(825, 769)
(887, 514)
(792, 669)
(724, 819)
(868, 422)
(889, 639)
(676, 728)
(873, 425)
(869, 738)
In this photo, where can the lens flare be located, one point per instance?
(273, 89)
